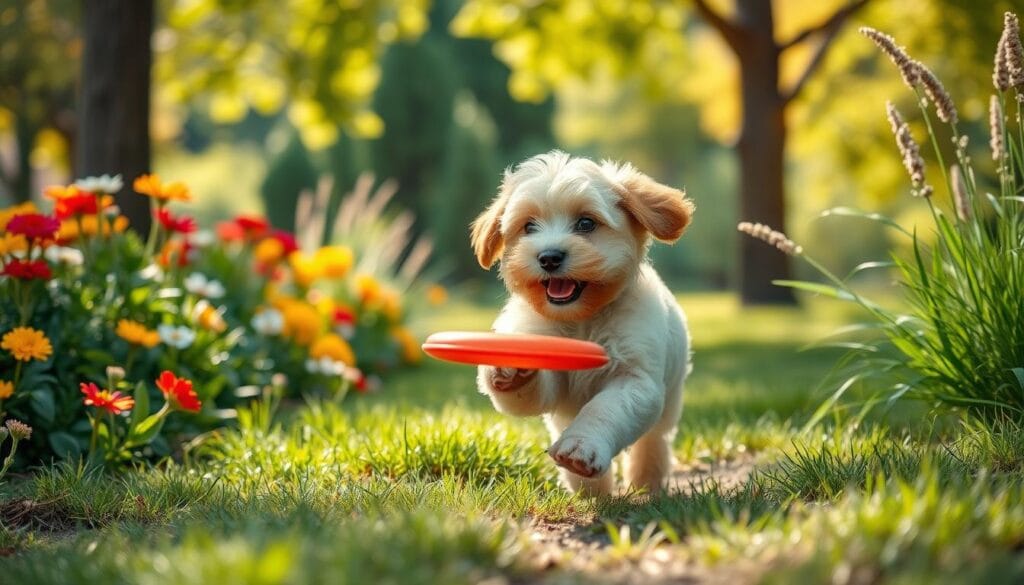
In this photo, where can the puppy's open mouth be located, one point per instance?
(562, 291)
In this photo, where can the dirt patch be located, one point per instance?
(46, 516)
(570, 552)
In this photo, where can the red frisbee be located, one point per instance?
(515, 350)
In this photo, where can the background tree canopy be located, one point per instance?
(255, 100)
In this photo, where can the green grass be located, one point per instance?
(424, 482)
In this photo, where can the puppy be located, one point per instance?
(572, 238)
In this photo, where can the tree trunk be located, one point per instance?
(114, 103)
(761, 150)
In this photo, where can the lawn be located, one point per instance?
(424, 483)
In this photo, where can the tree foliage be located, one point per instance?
(318, 59)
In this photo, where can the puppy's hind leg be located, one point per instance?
(649, 462)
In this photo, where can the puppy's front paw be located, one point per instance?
(509, 379)
(581, 456)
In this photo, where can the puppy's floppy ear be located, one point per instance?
(485, 234)
(662, 210)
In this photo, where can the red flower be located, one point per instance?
(34, 226)
(343, 316)
(253, 226)
(113, 402)
(178, 391)
(287, 240)
(176, 251)
(229, 231)
(81, 204)
(27, 269)
(181, 224)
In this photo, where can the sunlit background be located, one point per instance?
(253, 102)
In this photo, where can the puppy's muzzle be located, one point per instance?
(551, 260)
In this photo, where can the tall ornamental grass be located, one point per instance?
(959, 341)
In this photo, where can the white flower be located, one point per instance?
(202, 238)
(101, 184)
(312, 366)
(178, 337)
(111, 211)
(326, 366)
(214, 290)
(195, 283)
(153, 273)
(62, 255)
(268, 321)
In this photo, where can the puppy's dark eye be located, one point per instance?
(585, 225)
(530, 227)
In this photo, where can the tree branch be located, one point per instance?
(728, 29)
(833, 21)
(830, 28)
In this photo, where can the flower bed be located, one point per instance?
(96, 325)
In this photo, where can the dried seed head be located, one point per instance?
(895, 52)
(18, 429)
(115, 373)
(1013, 51)
(910, 150)
(773, 237)
(1001, 69)
(995, 129)
(937, 93)
(963, 206)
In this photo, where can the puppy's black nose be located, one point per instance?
(550, 260)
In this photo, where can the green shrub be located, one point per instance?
(959, 344)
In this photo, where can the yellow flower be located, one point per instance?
(150, 185)
(334, 261)
(8, 212)
(137, 333)
(26, 343)
(11, 243)
(6, 389)
(407, 343)
(305, 269)
(302, 322)
(437, 295)
(391, 305)
(367, 288)
(334, 347)
(269, 251)
(69, 228)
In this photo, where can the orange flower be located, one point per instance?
(113, 402)
(407, 343)
(150, 185)
(367, 288)
(11, 243)
(90, 226)
(178, 391)
(437, 295)
(269, 251)
(6, 389)
(137, 333)
(334, 347)
(27, 344)
(302, 322)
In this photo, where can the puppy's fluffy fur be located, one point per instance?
(603, 290)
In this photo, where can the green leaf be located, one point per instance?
(141, 409)
(817, 288)
(65, 444)
(43, 404)
(877, 217)
(145, 431)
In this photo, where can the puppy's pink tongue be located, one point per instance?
(561, 288)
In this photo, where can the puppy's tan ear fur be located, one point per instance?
(485, 236)
(662, 210)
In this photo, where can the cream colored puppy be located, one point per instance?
(572, 237)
